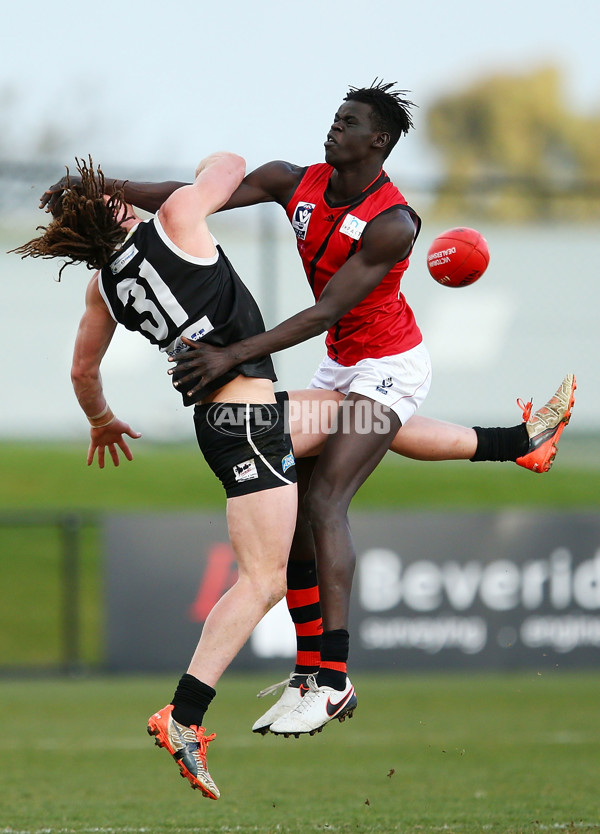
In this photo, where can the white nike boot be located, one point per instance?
(288, 699)
(318, 706)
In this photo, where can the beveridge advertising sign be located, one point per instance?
(496, 590)
(431, 590)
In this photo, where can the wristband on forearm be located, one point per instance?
(105, 418)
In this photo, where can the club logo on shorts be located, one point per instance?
(352, 226)
(241, 420)
(288, 461)
(301, 219)
(385, 384)
(245, 471)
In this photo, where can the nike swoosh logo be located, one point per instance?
(332, 709)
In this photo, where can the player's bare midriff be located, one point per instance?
(243, 389)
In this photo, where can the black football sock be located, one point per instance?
(191, 700)
(501, 443)
(334, 657)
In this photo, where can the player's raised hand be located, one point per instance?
(51, 197)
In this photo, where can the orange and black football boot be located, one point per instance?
(546, 425)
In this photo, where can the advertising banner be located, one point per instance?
(494, 590)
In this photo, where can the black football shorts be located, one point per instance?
(247, 445)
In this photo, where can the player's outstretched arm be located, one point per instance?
(148, 196)
(272, 182)
(94, 335)
(183, 216)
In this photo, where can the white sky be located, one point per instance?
(145, 83)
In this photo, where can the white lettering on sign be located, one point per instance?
(500, 585)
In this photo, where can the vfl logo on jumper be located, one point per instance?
(194, 333)
(385, 385)
(301, 219)
(121, 262)
(240, 420)
(245, 471)
(352, 226)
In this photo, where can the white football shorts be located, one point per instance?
(401, 382)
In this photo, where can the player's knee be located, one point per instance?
(276, 592)
(322, 509)
(272, 588)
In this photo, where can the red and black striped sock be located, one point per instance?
(335, 646)
(305, 610)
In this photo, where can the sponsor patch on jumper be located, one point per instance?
(245, 471)
(301, 219)
(121, 262)
(194, 332)
(288, 461)
(352, 226)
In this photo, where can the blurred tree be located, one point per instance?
(512, 149)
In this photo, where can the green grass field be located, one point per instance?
(55, 476)
(439, 753)
(461, 754)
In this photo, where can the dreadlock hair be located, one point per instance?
(390, 111)
(86, 228)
